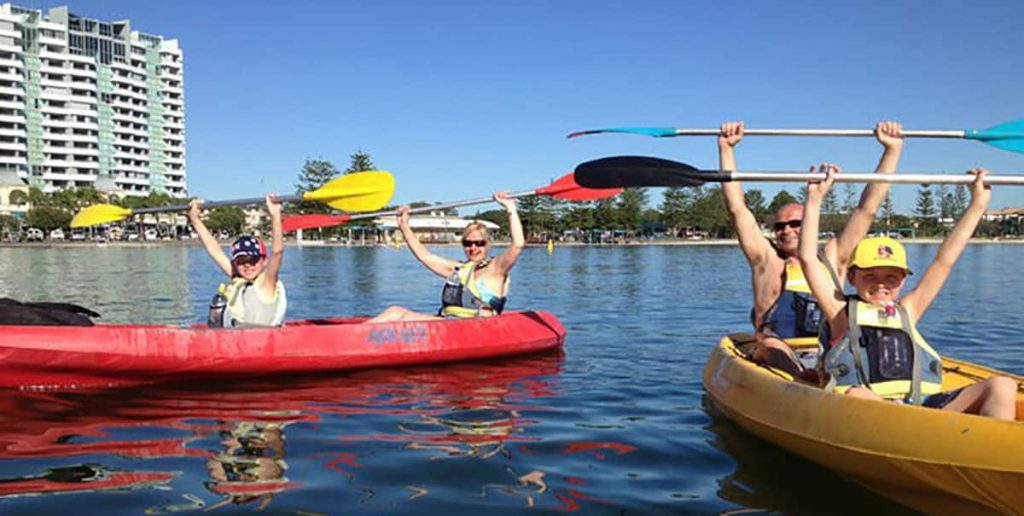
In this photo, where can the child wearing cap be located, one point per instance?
(871, 345)
(254, 296)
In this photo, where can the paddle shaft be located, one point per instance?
(218, 204)
(434, 207)
(820, 132)
(771, 177)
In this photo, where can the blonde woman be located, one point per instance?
(475, 287)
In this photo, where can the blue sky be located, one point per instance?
(459, 99)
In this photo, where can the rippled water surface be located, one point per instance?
(615, 423)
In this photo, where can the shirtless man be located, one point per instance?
(785, 313)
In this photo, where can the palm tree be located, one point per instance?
(19, 197)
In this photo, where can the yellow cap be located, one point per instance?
(880, 252)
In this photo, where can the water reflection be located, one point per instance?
(235, 446)
(768, 479)
(251, 467)
(80, 478)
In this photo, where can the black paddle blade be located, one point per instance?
(627, 171)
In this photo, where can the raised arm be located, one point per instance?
(273, 269)
(822, 287)
(437, 264)
(917, 302)
(752, 241)
(890, 135)
(506, 260)
(209, 243)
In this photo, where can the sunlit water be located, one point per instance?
(616, 423)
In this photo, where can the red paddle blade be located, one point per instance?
(316, 220)
(567, 188)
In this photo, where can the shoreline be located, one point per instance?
(320, 243)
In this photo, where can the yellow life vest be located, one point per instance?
(464, 296)
(795, 316)
(883, 351)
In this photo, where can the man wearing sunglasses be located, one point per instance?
(254, 296)
(785, 314)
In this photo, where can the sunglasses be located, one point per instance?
(779, 226)
(247, 260)
(474, 243)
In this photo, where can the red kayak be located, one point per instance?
(43, 357)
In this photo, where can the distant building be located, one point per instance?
(435, 227)
(12, 203)
(1010, 220)
(85, 102)
(1005, 214)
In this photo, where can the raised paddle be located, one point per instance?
(629, 171)
(564, 188)
(1008, 136)
(359, 191)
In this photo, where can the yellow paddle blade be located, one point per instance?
(359, 191)
(99, 214)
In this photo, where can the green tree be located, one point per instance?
(498, 217)
(755, 203)
(554, 208)
(830, 204)
(579, 216)
(37, 197)
(947, 203)
(150, 201)
(709, 213)
(674, 206)
(630, 208)
(359, 161)
(888, 212)
(536, 218)
(849, 198)
(781, 199)
(605, 214)
(959, 200)
(228, 220)
(47, 218)
(924, 209)
(19, 198)
(314, 174)
(9, 227)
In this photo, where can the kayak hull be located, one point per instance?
(956, 463)
(44, 357)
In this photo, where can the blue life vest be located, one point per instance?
(795, 316)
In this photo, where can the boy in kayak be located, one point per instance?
(872, 347)
(785, 313)
(254, 296)
(475, 287)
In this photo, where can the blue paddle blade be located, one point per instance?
(1008, 136)
(657, 132)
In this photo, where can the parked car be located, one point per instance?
(78, 235)
(34, 234)
(57, 234)
(131, 236)
(150, 234)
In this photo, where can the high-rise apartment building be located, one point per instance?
(85, 102)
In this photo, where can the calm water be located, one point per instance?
(615, 424)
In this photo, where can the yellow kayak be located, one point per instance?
(932, 460)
